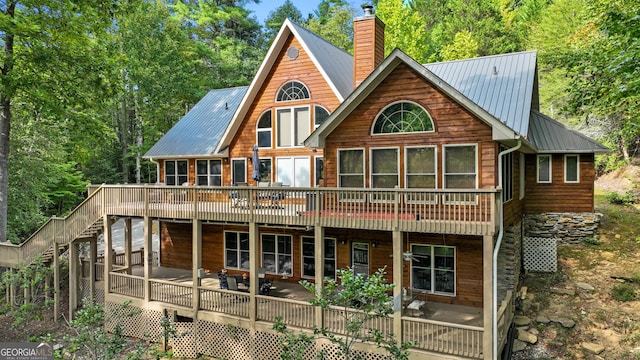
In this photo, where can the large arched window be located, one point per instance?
(402, 117)
(263, 130)
(292, 90)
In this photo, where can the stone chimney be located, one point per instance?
(368, 44)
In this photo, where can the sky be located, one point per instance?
(262, 10)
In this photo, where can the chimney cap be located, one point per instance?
(368, 9)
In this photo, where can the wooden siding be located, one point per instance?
(368, 44)
(176, 247)
(513, 209)
(559, 196)
(301, 69)
(452, 123)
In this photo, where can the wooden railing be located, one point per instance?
(293, 312)
(171, 292)
(224, 301)
(470, 212)
(336, 320)
(124, 284)
(447, 338)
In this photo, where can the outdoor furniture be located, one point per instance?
(240, 197)
(270, 198)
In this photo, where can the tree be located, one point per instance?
(405, 28)
(334, 21)
(274, 20)
(463, 47)
(35, 35)
(362, 299)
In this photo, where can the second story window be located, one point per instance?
(321, 114)
(175, 172)
(291, 91)
(293, 126)
(460, 171)
(351, 168)
(544, 168)
(402, 117)
(209, 172)
(263, 131)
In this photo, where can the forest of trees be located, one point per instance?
(88, 86)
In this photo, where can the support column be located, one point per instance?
(56, 282)
(318, 236)
(148, 256)
(108, 254)
(93, 255)
(253, 271)
(196, 257)
(487, 298)
(73, 278)
(127, 244)
(398, 268)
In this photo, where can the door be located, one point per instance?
(360, 258)
(238, 171)
(293, 171)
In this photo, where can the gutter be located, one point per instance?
(157, 169)
(496, 250)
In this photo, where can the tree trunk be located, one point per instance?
(5, 123)
(124, 141)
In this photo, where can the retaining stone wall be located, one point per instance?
(568, 228)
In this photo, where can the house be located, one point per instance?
(327, 161)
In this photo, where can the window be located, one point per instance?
(420, 172)
(521, 179)
(460, 167)
(402, 117)
(276, 254)
(319, 169)
(544, 168)
(507, 176)
(175, 172)
(263, 132)
(433, 269)
(293, 126)
(293, 90)
(384, 168)
(236, 250)
(320, 115)
(308, 258)
(209, 172)
(238, 171)
(572, 168)
(351, 168)
(294, 171)
(265, 169)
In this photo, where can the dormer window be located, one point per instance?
(291, 91)
(402, 117)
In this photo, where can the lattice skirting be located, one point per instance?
(85, 291)
(540, 254)
(133, 321)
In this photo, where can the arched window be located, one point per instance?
(293, 90)
(321, 114)
(403, 117)
(263, 131)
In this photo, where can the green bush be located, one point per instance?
(627, 198)
(624, 292)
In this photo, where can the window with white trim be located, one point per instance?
(263, 130)
(291, 91)
(385, 168)
(293, 126)
(176, 172)
(351, 168)
(239, 171)
(277, 254)
(319, 169)
(572, 168)
(265, 169)
(544, 168)
(433, 269)
(507, 175)
(236, 250)
(209, 172)
(308, 258)
(402, 117)
(460, 166)
(420, 173)
(320, 115)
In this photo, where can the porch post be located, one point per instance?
(196, 258)
(319, 275)
(73, 278)
(127, 244)
(93, 255)
(107, 254)
(253, 271)
(148, 256)
(397, 289)
(487, 298)
(56, 282)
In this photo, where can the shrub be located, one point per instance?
(624, 292)
(627, 198)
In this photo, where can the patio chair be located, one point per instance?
(240, 197)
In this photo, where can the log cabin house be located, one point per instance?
(327, 161)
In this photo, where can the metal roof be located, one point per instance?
(337, 63)
(501, 84)
(201, 129)
(550, 136)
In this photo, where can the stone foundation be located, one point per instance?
(568, 228)
(509, 260)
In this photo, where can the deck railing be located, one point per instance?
(171, 292)
(293, 312)
(224, 301)
(447, 338)
(336, 320)
(125, 284)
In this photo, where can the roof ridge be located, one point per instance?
(482, 57)
(299, 26)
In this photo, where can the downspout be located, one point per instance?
(157, 169)
(496, 250)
